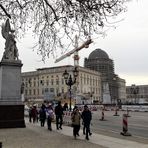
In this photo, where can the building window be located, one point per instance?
(57, 81)
(62, 90)
(34, 84)
(42, 91)
(52, 90)
(87, 79)
(26, 84)
(29, 91)
(84, 79)
(34, 92)
(57, 91)
(46, 89)
(47, 82)
(52, 81)
(26, 92)
(96, 82)
(30, 83)
(81, 79)
(90, 81)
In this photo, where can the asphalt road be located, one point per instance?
(112, 125)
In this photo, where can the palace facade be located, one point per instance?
(49, 84)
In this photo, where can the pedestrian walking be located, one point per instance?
(34, 113)
(59, 115)
(76, 118)
(65, 107)
(42, 115)
(50, 116)
(87, 117)
(84, 130)
(30, 114)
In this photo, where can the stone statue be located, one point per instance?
(11, 51)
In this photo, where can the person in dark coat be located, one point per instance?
(42, 115)
(34, 113)
(59, 115)
(87, 117)
(30, 114)
(65, 107)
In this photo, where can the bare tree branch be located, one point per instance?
(56, 18)
(5, 11)
(56, 22)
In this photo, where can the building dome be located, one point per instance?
(98, 54)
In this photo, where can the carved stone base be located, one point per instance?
(12, 116)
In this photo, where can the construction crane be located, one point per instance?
(76, 56)
(75, 51)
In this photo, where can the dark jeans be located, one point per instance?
(59, 121)
(84, 130)
(42, 121)
(49, 123)
(30, 118)
(76, 129)
(87, 126)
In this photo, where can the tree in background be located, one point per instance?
(56, 22)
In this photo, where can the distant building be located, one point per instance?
(49, 84)
(136, 94)
(113, 87)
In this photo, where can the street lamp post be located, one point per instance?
(70, 81)
(135, 91)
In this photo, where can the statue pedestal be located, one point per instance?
(11, 105)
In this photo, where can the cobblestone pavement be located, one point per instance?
(34, 136)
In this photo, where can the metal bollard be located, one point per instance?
(125, 126)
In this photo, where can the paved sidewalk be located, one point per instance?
(34, 136)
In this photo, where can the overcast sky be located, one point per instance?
(127, 46)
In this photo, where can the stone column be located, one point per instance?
(11, 105)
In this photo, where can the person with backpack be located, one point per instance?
(50, 116)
